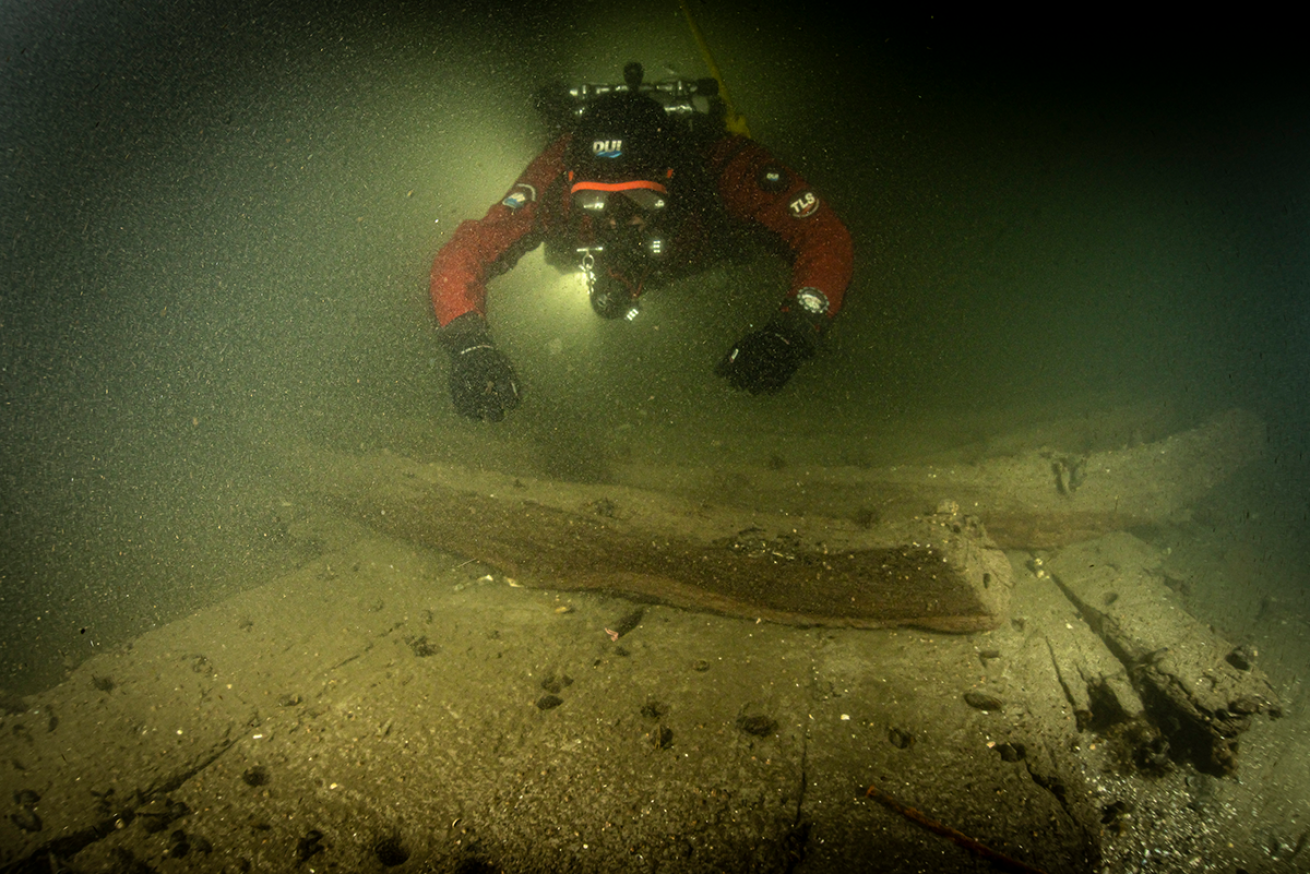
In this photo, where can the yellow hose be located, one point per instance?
(735, 123)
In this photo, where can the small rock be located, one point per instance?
(27, 820)
(1242, 657)
(1114, 813)
(178, 846)
(256, 776)
(900, 738)
(310, 845)
(653, 709)
(549, 702)
(1152, 755)
(1244, 706)
(982, 700)
(662, 737)
(760, 726)
(421, 647)
(161, 814)
(627, 622)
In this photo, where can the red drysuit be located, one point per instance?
(753, 190)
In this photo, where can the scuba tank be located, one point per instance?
(695, 104)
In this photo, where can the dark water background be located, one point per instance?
(217, 219)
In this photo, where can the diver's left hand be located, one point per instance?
(763, 361)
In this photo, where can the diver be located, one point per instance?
(644, 184)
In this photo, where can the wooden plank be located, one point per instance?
(1199, 688)
(1043, 497)
(938, 571)
(844, 546)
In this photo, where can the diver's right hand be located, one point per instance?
(483, 384)
(482, 381)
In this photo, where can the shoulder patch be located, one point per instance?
(812, 301)
(519, 196)
(804, 204)
(774, 179)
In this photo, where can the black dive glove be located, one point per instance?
(482, 382)
(763, 360)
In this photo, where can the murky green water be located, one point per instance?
(216, 227)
